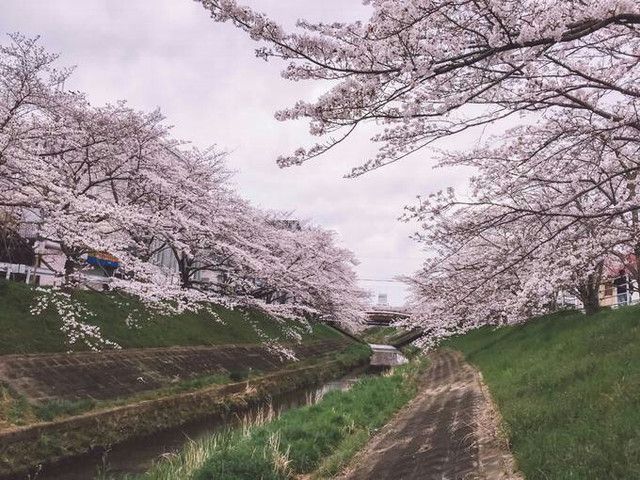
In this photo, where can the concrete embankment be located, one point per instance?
(117, 374)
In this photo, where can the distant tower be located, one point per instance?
(382, 300)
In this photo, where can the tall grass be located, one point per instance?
(319, 438)
(568, 388)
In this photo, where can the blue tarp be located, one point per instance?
(101, 262)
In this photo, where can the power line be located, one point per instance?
(379, 280)
(391, 257)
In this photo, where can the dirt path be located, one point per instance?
(448, 432)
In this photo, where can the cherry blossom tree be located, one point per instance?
(29, 90)
(505, 274)
(428, 69)
(111, 179)
(552, 201)
(309, 270)
(576, 192)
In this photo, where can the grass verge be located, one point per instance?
(568, 389)
(125, 321)
(319, 439)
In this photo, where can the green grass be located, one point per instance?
(14, 408)
(56, 409)
(318, 439)
(568, 388)
(22, 332)
(410, 351)
(380, 334)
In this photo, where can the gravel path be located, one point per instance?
(448, 432)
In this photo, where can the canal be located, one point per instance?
(138, 455)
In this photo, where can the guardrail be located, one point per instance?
(607, 300)
(28, 270)
(32, 274)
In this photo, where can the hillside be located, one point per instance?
(22, 332)
(568, 388)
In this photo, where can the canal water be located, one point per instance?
(138, 455)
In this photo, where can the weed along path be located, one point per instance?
(448, 431)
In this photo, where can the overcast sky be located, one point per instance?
(205, 78)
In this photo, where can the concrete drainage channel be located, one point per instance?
(139, 434)
(36, 450)
(137, 455)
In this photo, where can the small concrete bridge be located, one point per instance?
(386, 356)
(385, 315)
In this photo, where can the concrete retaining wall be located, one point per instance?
(22, 449)
(114, 374)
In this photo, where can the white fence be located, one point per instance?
(31, 273)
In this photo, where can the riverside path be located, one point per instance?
(448, 432)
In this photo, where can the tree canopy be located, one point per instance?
(112, 180)
(553, 202)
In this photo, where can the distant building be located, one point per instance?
(608, 290)
(382, 300)
(41, 261)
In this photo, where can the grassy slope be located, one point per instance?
(21, 332)
(383, 335)
(568, 388)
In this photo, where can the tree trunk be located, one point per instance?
(71, 265)
(589, 293)
(635, 270)
(184, 266)
(634, 267)
(591, 303)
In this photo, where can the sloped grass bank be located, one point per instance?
(384, 335)
(23, 332)
(318, 439)
(568, 388)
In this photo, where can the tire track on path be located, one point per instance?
(448, 432)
